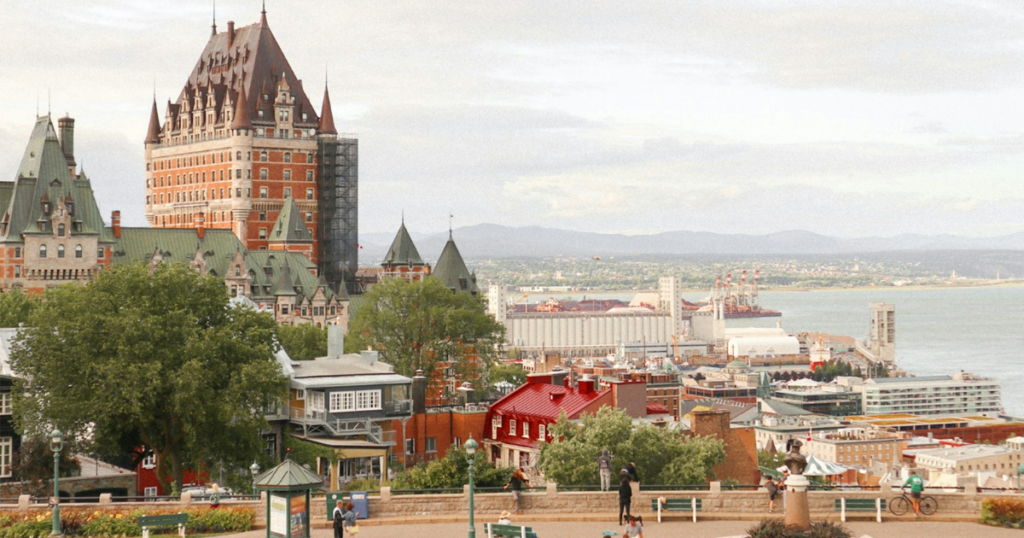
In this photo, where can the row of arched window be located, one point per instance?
(60, 251)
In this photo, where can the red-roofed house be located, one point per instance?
(520, 419)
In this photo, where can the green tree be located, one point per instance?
(303, 342)
(16, 307)
(154, 359)
(662, 456)
(513, 373)
(452, 471)
(418, 325)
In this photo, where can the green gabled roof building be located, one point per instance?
(403, 251)
(452, 270)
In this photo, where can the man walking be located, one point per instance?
(773, 490)
(604, 465)
(916, 484)
(625, 494)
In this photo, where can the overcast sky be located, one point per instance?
(848, 119)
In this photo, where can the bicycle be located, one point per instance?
(902, 504)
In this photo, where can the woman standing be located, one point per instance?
(351, 527)
(625, 494)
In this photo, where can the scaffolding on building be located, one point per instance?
(338, 224)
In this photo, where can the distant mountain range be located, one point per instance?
(494, 241)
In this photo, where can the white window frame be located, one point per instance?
(512, 427)
(541, 432)
(526, 430)
(150, 492)
(6, 448)
(300, 394)
(149, 462)
(315, 402)
(343, 402)
(368, 400)
(5, 403)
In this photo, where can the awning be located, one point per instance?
(819, 467)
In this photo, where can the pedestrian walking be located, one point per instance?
(625, 494)
(339, 521)
(604, 466)
(516, 485)
(349, 520)
(773, 490)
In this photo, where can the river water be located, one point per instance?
(938, 331)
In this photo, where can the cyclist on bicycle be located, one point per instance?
(916, 484)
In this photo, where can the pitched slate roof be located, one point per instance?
(253, 64)
(288, 475)
(452, 270)
(43, 175)
(178, 245)
(403, 250)
(267, 266)
(290, 227)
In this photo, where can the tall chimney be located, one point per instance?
(419, 393)
(231, 33)
(67, 139)
(115, 223)
(199, 222)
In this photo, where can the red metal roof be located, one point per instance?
(656, 409)
(546, 401)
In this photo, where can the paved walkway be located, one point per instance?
(701, 529)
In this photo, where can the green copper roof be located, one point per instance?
(403, 250)
(452, 270)
(266, 268)
(44, 177)
(288, 475)
(290, 227)
(178, 245)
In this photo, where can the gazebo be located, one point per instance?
(288, 486)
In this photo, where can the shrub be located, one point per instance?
(27, 529)
(776, 528)
(363, 484)
(220, 519)
(110, 526)
(1003, 512)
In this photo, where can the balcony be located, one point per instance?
(398, 408)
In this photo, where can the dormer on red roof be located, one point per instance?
(539, 403)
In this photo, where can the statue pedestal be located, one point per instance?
(798, 512)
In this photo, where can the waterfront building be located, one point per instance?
(856, 446)
(734, 382)
(822, 399)
(240, 139)
(971, 459)
(960, 393)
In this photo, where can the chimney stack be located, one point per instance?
(419, 393)
(231, 33)
(115, 223)
(66, 125)
(199, 222)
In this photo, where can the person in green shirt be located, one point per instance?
(916, 484)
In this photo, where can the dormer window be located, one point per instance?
(46, 208)
(60, 230)
(71, 208)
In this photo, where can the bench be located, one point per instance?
(165, 520)
(512, 531)
(860, 505)
(691, 505)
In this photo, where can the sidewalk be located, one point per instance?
(653, 529)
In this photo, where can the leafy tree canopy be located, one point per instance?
(513, 373)
(662, 456)
(452, 471)
(16, 307)
(418, 325)
(303, 342)
(154, 359)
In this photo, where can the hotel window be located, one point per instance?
(263, 156)
(263, 233)
(263, 192)
(60, 230)
(42, 251)
(309, 158)
(17, 252)
(287, 192)
(287, 175)
(309, 194)
(263, 173)
(287, 157)
(78, 251)
(5, 403)
(309, 217)
(541, 432)
(511, 427)
(17, 271)
(263, 215)
(309, 175)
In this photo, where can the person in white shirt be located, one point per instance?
(505, 518)
(634, 528)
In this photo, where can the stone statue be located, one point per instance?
(795, 461)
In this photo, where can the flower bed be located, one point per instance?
(114, 522)
(1003, 512)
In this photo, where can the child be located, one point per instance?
(634, 528)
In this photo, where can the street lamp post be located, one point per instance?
(471, 453)
(255, 470)
(56, 445)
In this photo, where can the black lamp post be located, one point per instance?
(56, 445)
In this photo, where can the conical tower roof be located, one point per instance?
(288, 475)
(153, 135)
(403, 251)
(452, 270)
(326, 115)
(241, 118)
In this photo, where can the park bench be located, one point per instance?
(512, 531)
(860, 505)
(691, 505)
(165, 520)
